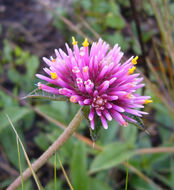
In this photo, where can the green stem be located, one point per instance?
(127, 174)
(20, 168)
(55, 177)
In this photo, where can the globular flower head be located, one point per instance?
(96, 77)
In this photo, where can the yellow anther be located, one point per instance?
(85, 43)
(131, 70)
(74, 42)
(53, 75)
(73, 99)
(148, 101)
(85, 69)
(134, 60)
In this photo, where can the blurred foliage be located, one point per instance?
(87, 167)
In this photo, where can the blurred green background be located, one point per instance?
(31, 29)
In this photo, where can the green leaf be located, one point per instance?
(108, 136)
(51, 185)
(85, 111)
(140, 184)
(5, 183)
(79, 167)
(114, 21)
(17, 51)
(172, 169)
(42, 141)
(7, 51)
(50, 111)
(67, 149)
(15, 114)
(8, 141)
(85, 4)
(111, 156)
(6, 100)
(0, 29)
(98, 125)
(32, 64)
(165, 179)
(126, 131)
(117, 37)
(16, 77)
(37, 93)
(139, 123)
(96, 184)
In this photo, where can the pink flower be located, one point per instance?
(98, 79)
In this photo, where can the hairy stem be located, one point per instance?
(50, 151)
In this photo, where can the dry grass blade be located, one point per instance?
(158, 18)
(25, 154)
(155, 73)
(64, 172)
(159, 95)
(165, 34)
(170, 71)
(160, 83)
(155, 150)
(168, 30)
(162, 68)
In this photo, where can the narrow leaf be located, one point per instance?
(55, 176)
(15, 113)
(20, 167)
(127, 172)
(38, 93)
(96, 184)
(139, 122)
(111, 156)
(98, 125)
(79, 167)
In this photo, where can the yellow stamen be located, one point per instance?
(134, 60)
(73, 99)
(131, 70)
(53, 75)
(148, 101)
(85, 43)
(85, 69)
(74, 42)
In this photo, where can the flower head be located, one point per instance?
(98, 79)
